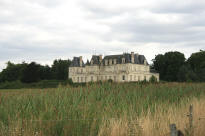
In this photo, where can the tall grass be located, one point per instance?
(99, 109)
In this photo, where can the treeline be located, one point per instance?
(172, 66)
(34, 72)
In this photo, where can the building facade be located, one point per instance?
(127, 67)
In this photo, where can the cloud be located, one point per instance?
(44, 30)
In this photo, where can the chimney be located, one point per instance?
(132, 57)
(81, 61)
(145, 62)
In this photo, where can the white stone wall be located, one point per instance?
(131, 72)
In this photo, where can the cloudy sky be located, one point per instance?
(44, 30)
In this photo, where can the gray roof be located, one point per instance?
(95, 59)
(138, 59)
(76, 62)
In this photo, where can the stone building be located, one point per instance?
(120, 68)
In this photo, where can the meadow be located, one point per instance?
(102, 109)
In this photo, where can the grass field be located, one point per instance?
(103, 109)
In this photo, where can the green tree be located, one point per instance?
(186, 74)
(60, 69)
(45, 72)
(153, 79)
(31, 73)
(12, 72)
(197, 63)
(168, 65)
(159, 65)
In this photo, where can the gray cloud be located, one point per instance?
(43, 30)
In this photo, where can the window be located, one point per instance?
(110, 77)
(135, 77)
(115, 61)
(123, 60)
(110, 62)
(85, 79)
(101, 77)
(105, 77)
(144, 77)
(138, 78)
(78, 79)
(81, 70)
(123, 77)
(81, 79)
(91, 78)
(106, 61)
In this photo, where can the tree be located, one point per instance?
(31, 73)
(197, 60)
(197, 63)
(186, 74)
(168, 65)
(153, 79)
(159, 65)
(60, 69)
(12, 72)
(45, 73)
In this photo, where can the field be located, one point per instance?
(103, 109)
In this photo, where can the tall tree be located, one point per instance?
(31, 73)
(186, 74)
(12, 72)
(60, 69)
(45, 72)
(168, 65)
(197, 63)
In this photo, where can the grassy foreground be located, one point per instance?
(107, 109)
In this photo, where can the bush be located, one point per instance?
(153, 79)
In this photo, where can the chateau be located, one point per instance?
(119, 68)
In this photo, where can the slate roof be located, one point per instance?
(76, 62)
(96, 59)
(138, 59)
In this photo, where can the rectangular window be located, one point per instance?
(91, 78)
(101, 77)
(114, 78)
(81, 79)
(78, 79)
(138, 78)
(144, 77)
(135, 77)
(123, 77)
(110, 77)
(85, 79)
(105, 77)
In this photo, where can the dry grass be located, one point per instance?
(103, 109)
(158, 124)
